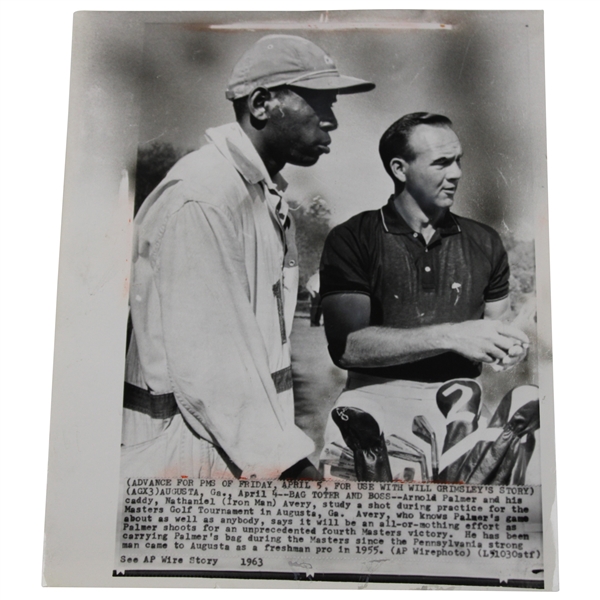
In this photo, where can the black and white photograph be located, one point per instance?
(223, 376)
(311, 249)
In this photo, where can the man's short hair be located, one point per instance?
(395, 142)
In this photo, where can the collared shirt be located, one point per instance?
(213, 292)
(412, 283)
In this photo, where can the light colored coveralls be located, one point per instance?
(213, 293)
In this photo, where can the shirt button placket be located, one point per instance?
(428, 278)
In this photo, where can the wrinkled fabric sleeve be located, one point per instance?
(498, 286)
(216, 358)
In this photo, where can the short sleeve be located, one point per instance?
(497, 288)
(344, 263)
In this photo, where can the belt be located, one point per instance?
(157, 406)
(164, 406)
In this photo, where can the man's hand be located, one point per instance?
(524, 321)
(488, 341)
(516, 354)
(303, 469)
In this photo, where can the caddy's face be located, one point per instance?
(300, 124)
(432, 175)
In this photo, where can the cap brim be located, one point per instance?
(342, 84)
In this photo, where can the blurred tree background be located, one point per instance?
(521, 257)
(313, 223)
(154, 160)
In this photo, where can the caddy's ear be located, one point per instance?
(257, 103)
(398, 167)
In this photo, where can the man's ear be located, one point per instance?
(399, 167)
(257, 104)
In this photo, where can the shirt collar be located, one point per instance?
(394, 223)
(236, 147)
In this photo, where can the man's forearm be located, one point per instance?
(481, 340)
(386, 346)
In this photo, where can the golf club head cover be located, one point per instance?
(363, 436)
(524, 451)
(459, 401)
(423, 430)
(517, 416)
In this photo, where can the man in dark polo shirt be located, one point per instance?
(413, 295)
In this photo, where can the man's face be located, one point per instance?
(432, 176)
(300, 122)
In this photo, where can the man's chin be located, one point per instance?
(304, 161)
(445, 201)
